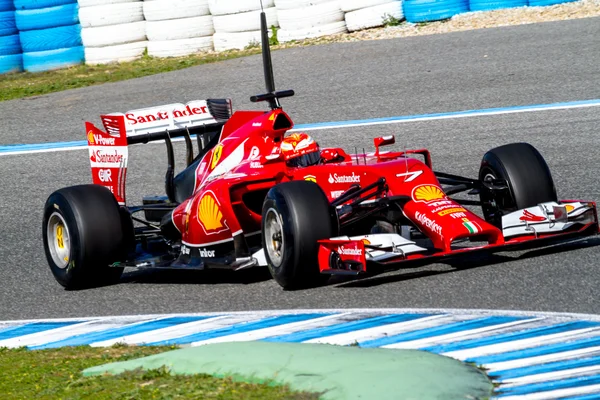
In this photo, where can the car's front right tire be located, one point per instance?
(294, 216)
(84, 234)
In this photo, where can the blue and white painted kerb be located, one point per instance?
(531, 355)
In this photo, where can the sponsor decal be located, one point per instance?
(366, 242)
(335, 178)
(471, 226)
(216, 157)
(207, 253)
(254, 153)
(142, 117)
(569, 208)
(410, 176)
(310, 178)
(531, 217)
(349, 252)
(458, 215)
(427, 193)
(59, 237)
(336, 193)
(257, 124)
(105, 175)
(185, 250)
(428, 222)
(256, 165)
(202, 168)
(100, 140)
(451, 211)
(441, 203)
(107, 157)
(210, 215)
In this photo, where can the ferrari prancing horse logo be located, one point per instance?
(216, 156)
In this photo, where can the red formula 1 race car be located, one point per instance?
(258, 195)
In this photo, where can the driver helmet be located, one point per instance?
(300, 150)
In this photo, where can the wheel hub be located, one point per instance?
(59, 240)
(274, 234)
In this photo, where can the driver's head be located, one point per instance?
(300, 150)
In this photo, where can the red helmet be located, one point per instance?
(300, 150)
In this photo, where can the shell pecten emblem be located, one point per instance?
(427, 193)
(90, 137)
(210, 215)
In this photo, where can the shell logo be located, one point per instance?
(569, 208)
(310, 178)
(209, 214)
(90, 137)
(427, 193)
(366, 242)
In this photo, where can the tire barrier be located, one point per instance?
(40, 35)
(487, 5)
(49, 17)
(237, 23)
(8, 25)
(11, 58)
(544, 3)
(178, 27)
(49, 33)
(433, 10)
(311, 21)
(371, 17)
(112, 31)
(39, 61)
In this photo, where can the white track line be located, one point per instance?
(554, 394)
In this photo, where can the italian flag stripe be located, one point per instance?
(473, 228)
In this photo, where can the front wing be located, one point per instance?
(542, 225)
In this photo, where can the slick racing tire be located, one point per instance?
(528, 177)
(294, 216)
(84, 233)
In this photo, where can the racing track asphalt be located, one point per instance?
(498, 67)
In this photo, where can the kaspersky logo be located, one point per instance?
(335, 178)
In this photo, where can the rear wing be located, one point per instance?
(108, 150)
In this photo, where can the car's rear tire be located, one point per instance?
(294, 216)
(528, 177)
(84, 233)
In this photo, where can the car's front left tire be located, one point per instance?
(84, 233)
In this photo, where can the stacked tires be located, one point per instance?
(364, 14)
(11, 57)
(112, 30)
(178, 27)
(50, 34)
(237, 22)
(305, 19)
(433, 10)
(487, 5)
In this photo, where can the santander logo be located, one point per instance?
(335, 178)
(101, 157)
(349, 252)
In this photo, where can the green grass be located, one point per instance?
(56, 374)
(26, 84)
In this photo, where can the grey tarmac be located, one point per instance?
(533, 64)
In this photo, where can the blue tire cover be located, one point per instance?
(53, 59)
(33, 4)
(542, 3)
(51, 38)
(483, 5)
(433, 10)
(49, 17)
(12, 63)
(6, 5)
(7, 23)
(10, 45)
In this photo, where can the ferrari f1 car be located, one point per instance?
(258, 195)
